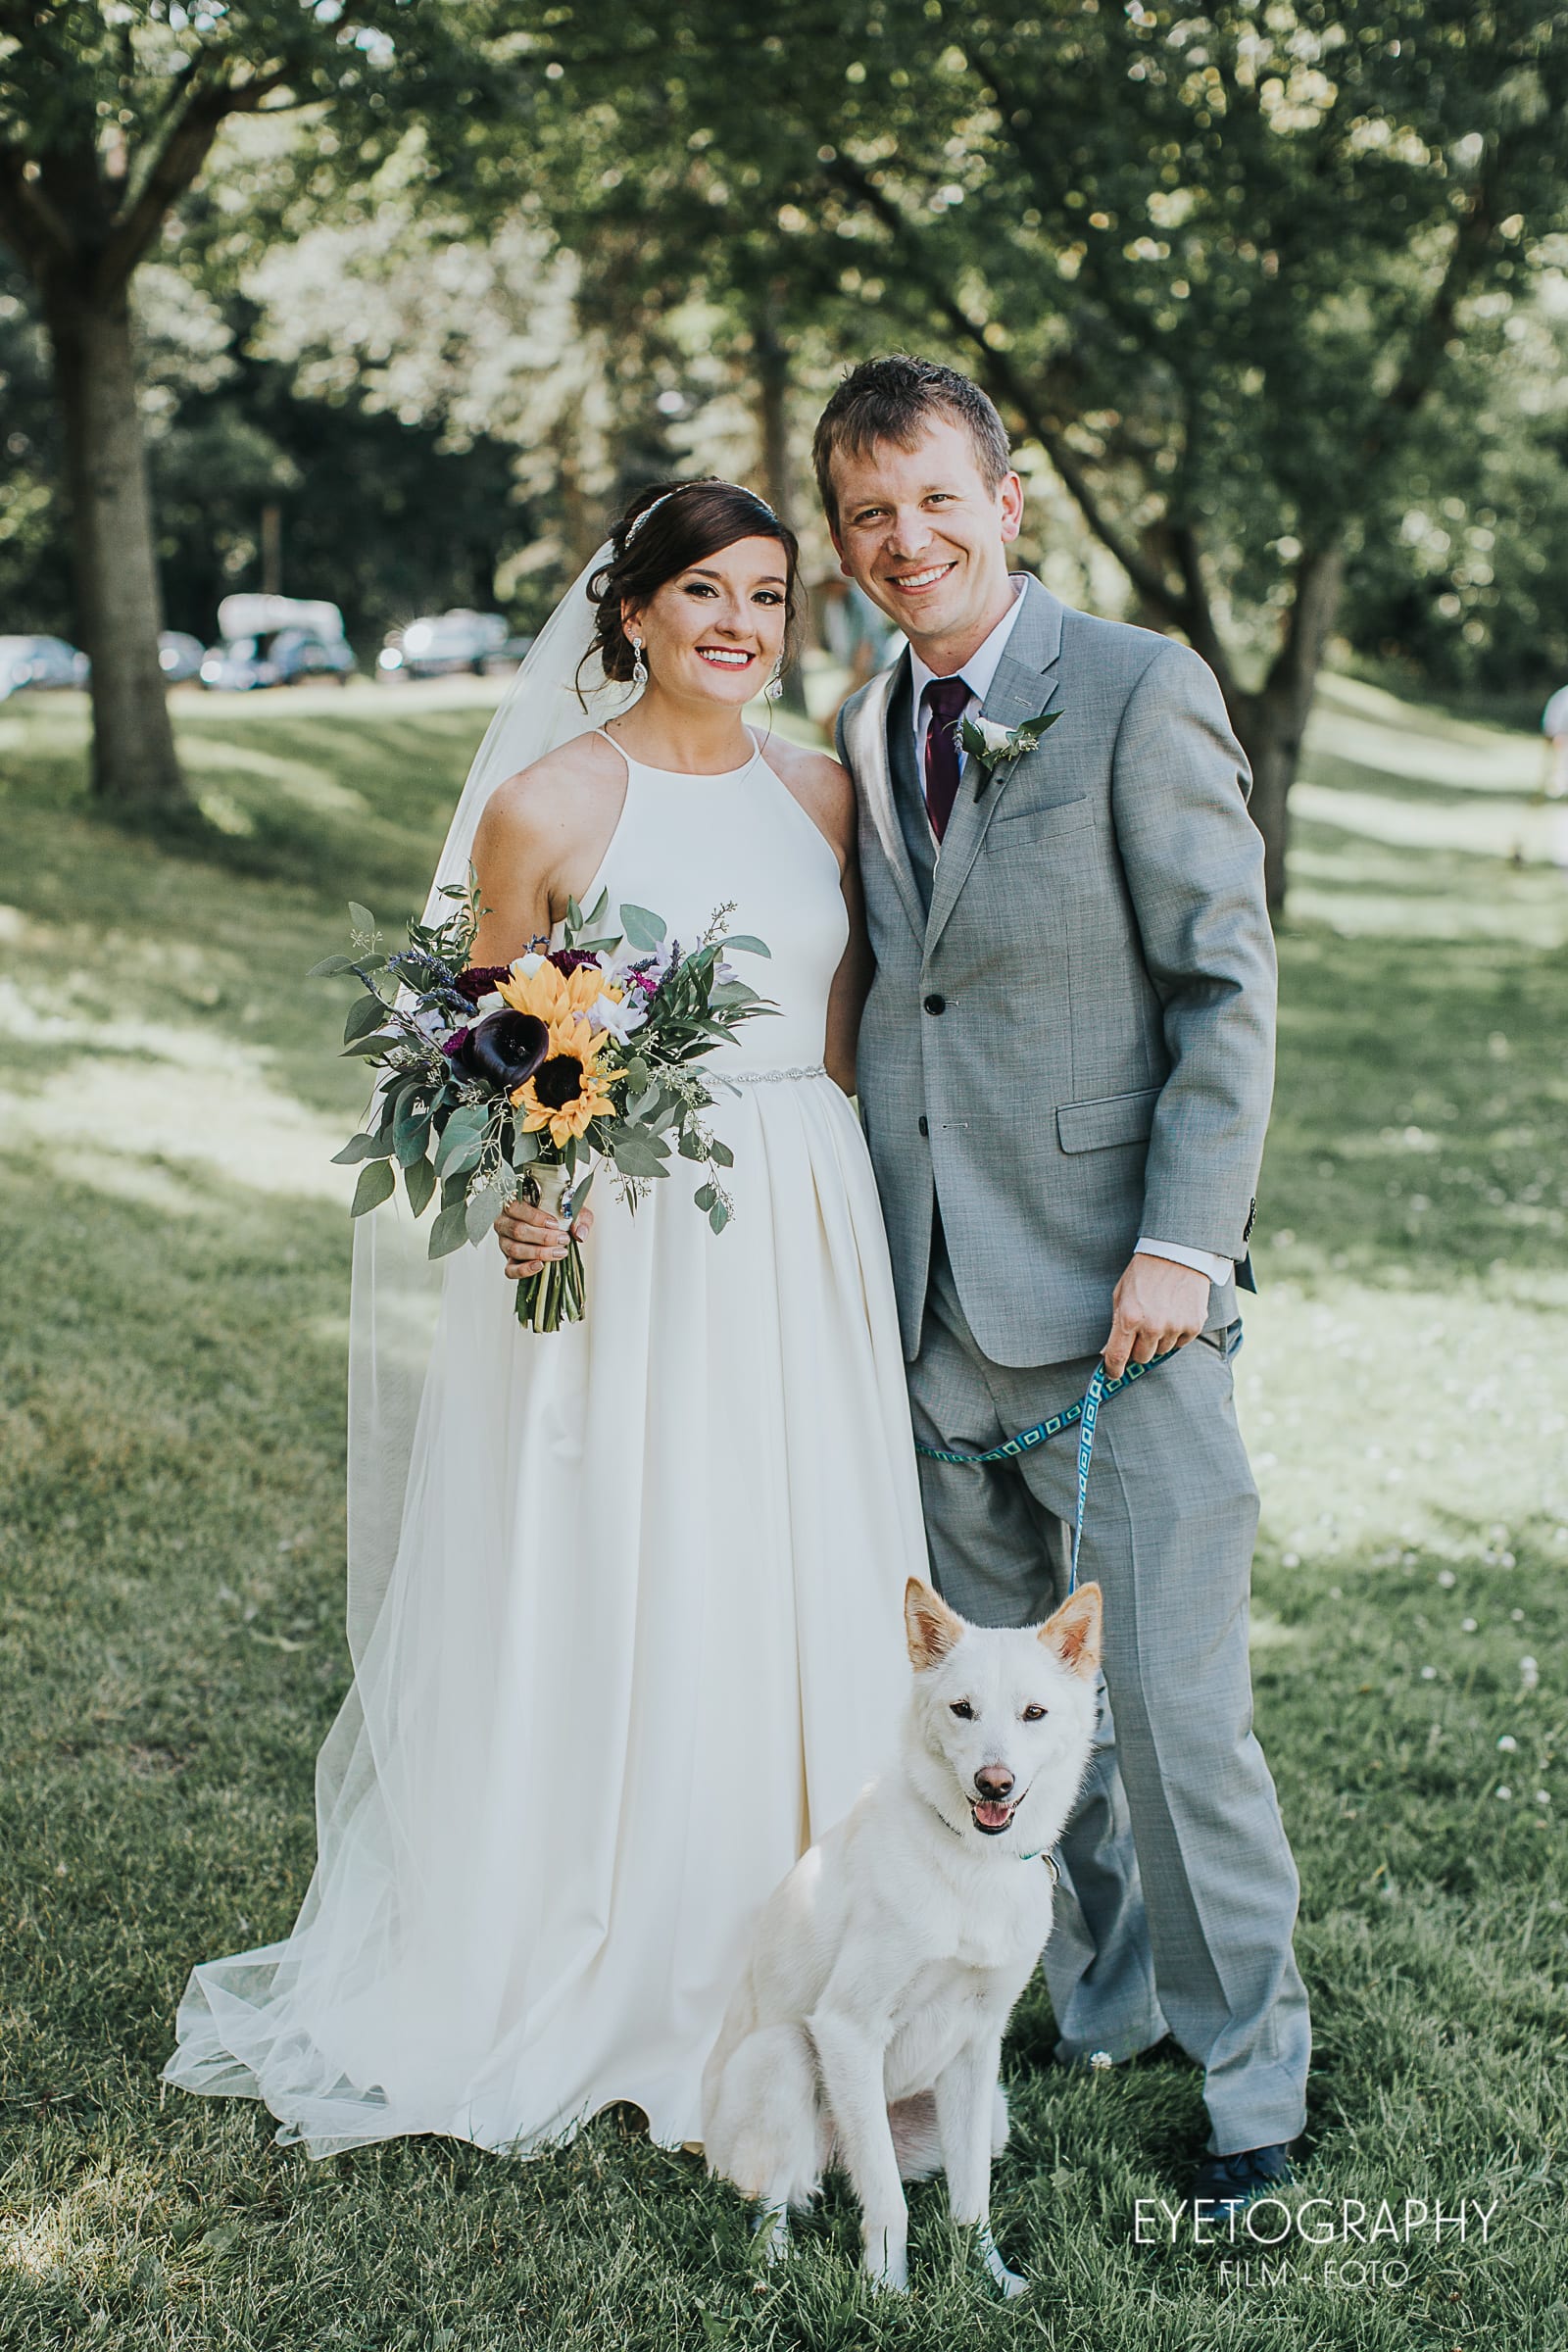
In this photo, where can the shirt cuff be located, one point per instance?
(1202, 1261)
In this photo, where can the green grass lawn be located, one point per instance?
(173, 1324)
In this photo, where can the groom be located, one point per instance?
(1065, 1067)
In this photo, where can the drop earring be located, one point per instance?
(639, 667)
(775, 684)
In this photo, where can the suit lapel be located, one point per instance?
(1025, 684)
(866, 740)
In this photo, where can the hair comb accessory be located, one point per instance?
(666, 494)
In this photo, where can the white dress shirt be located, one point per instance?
(977, 673)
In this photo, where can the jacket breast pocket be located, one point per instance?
(1111, 1119)
(1015, 828)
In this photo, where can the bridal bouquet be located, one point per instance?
(508, 1079)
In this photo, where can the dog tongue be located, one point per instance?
(992, 1816)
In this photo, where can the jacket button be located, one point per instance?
(925, 1124)
(936, 1004)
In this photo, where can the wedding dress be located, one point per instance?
(641, 1635)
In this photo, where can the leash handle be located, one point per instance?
(1094, 1397)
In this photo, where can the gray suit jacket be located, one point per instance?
(1069, 1038)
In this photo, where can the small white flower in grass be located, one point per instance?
(1428, 1674)
(1507, 1744)
(1290, 1559)
(1099, 2061)
(1529, 1673)
(1467, 1624)
(1543, 1797)
(1446, 1579)
(1506, 1794)
(1517, 1615)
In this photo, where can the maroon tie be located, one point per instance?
(946, 700)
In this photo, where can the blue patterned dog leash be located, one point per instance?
(1085, 1414)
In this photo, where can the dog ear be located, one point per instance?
(1072, 1634)
(931, 1627)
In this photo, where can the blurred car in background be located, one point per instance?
(440, 644)
(179, 656)
(276, 641)
(39, 662)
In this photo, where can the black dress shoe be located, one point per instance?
(1228, 2184)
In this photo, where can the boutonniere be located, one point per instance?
(995, 749)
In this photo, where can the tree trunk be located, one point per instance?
(1272, 722)
(773, 407)
(135, 771)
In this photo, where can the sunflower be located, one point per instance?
(571, 1088)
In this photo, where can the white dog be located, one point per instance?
(867, 2029)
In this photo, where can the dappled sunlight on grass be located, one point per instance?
(173, 1340)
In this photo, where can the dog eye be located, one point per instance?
(1034, 1714)
(961, 1708)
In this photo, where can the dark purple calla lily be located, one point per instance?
(506, 1049)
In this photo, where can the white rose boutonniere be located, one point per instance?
(995, 749)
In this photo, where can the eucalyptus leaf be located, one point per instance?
(366, 1014)
(704, 1196)
(644, 931)
(720, 1154)
(639, 1153)
(746, 942)
(718, 1216)
(361, 918)
(365, 1046)
(358, 1148)
(450, 1230)
(482, 1211)
(461, 1139)
(329, 967)
(419, 1182)
(410, 1137)
(374, 1186)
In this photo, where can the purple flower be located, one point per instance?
(572, 959)
(506, 1049)
(453, 1046)
(480, 979)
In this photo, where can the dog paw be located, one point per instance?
(771, 2229)
(1007, 2282)
(887, 2264)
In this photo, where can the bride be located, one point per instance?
(624, 1603)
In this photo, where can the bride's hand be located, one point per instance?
(530, 1237)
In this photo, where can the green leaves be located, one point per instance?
(482, 1211)
(451, 1229)
(374, 1186)
(644, 931)
(637, 1152)
(743, 942)
(365, 1016)
(363, 1147)
(419, 1182)
(461, 1140)
(363, 919)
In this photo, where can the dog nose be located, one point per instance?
(993, 1781)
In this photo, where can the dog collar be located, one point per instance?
(1049, 1860)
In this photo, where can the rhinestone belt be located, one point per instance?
(811, 1069)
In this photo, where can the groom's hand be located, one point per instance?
(1156, 1306)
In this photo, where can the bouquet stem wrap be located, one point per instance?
(554, 1296)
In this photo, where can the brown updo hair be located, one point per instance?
(693, 519)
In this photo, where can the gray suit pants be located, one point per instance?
(1182, 1888)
